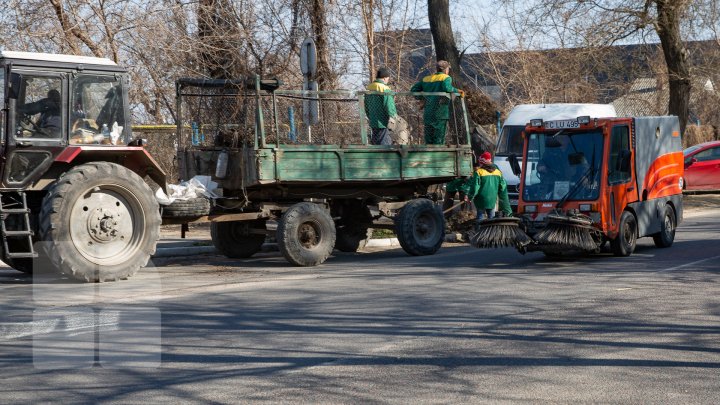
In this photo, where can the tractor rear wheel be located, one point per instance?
(99, 222)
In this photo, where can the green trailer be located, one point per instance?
(303, 159)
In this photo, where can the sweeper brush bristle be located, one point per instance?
(500, 232)
(567, 233)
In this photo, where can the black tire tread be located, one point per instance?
(405, 224)
(618, 244)
(660, 239)
(287, 241)
(234, 246)
(193, 207)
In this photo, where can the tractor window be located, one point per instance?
(98, 112)
(619, 142)
(39, 108)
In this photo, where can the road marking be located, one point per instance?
(688, 264)
(16, 330)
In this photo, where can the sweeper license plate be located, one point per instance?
(562, 124)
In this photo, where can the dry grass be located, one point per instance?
(695, 134)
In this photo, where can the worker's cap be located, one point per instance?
(442, 65)
(382, 73)
(485, 158)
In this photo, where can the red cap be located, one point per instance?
(486, 156)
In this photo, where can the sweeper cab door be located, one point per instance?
(620, 175)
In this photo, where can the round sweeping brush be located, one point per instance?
(500, 232)
(567, 233)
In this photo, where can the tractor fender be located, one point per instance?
(135, 158)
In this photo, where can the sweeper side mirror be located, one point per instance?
(514, 164)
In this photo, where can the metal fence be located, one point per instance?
(217, 117)
(229, 116)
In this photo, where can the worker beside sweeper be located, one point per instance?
(485, 188)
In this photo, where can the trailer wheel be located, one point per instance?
(351, 239)
(352, 231)
(99, 222)
(306, 234)
(420, 227)
(624, 243)
(235, 239)
(666, 236)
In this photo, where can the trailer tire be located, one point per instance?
(190, 208)
(352, 230)
(351, 239)
(624, 243)
(420, 227)
(234, 239)
(99, 222)
(306, 234)
(666, 236)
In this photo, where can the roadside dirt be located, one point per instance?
(695, 202)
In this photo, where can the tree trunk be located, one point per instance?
(446, 49)
(443, 37)
(324, 77)
(368, 7)
(668, 29)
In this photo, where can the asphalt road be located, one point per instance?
(464, 325)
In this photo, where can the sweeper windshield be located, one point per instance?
(563, 166)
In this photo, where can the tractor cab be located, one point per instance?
(55, 101)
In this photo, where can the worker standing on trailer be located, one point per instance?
(379, 108)
(437, 108)
(485, 187)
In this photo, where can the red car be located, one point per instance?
(702, 166)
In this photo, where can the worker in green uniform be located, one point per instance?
(437, 108)
(379, 108)
(485, 188)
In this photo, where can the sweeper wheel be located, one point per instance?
(624, 243)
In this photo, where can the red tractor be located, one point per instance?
(74, 187)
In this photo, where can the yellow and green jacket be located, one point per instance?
(379, 108)
(436, 107)
(484, 188)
